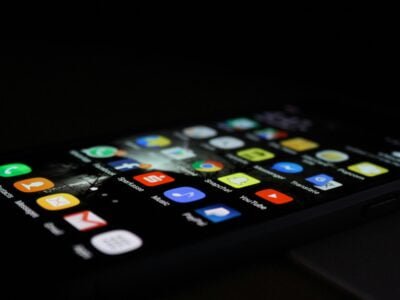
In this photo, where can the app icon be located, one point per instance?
(368, 169)
(255, 154)
(178, 153)
(227, 143)
(15, 169)
(58, 201)
(288, 167)
(200, 132)
(274, 196)
(299, 144)
(33, 185)
(153, 141)
(101, 151)
(128, 164)
(184, 194)
(241, 124)
(396, 154)
(239, 180)
(154, 178)
(271, 134)
(116, 242)
(207, 166)
(320, 179)
(218, 213)
(332, 156)
(85, 220)
(329, 185)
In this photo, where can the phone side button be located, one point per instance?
(382, 206)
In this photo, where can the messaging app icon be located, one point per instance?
(85, 220)
(218, 213)
(101, 151)
(239, 180)
(287, 167)
(58, 201)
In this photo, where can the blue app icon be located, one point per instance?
(320, 179)
(288, 167)
(125, 165)
(184, 194)
(218, 213)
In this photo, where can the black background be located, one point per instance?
(113, 67)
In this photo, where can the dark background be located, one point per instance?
(114, 68)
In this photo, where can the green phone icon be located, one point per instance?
(15, 169)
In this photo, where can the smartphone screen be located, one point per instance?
(144, 193)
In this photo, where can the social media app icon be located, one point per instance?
(332, 156)
(274, 196)
(239, 180)
(153, 141)
(271, 134)
(124, 165)
(58, 201)
(184, 194)
(320, 179)
(287, 167)
(101, 151)
(15, 169)
(299, 144)
(255, 154)
(368, 169)
(85, 220)
(207, 166)
(241, 124)
(116, 242)
(179, 153)
(33, 185)
(218, 213)
(154, 179)
(329, 185)
(226, 143)
(200, 132)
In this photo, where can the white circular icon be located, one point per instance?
(116, 242)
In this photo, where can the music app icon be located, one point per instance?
(184, 194)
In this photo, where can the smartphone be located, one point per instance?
(136, 209)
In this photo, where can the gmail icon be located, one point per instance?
(85, 220)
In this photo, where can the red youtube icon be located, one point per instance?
(274, 196)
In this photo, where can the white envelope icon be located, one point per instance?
(85, 220)
(58, 201)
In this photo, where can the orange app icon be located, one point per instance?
(33, 185)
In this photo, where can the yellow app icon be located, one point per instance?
(255, 154)
(368, 169)
(299, 144)
(58, 201)
(239, 180)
